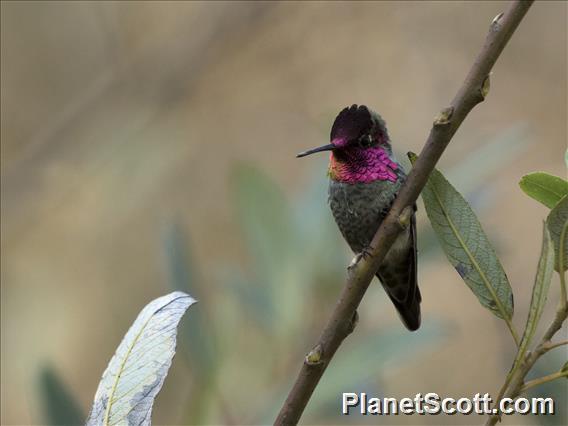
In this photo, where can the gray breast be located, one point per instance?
(359, 208)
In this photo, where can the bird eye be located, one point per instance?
(365, 141)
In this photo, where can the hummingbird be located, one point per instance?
(364, 180)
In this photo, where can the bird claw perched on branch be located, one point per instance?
(364, 254)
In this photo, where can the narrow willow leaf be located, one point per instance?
(539, 293)
(59, 405)
(545, 188)
(466, 245)
(137, 370)
(556, 221)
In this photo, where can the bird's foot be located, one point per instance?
(354, 261)
(364, 254)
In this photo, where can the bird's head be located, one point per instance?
(360, 147)
(355, 128)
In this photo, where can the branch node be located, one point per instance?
(485, 86)
(353, 323)
(496, 23)
(314, 357)
(444, 117)
(405, 216)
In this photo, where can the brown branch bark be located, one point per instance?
(342, 320)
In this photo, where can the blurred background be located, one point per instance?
(151, 146)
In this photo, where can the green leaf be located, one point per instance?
(545, 188)
(539, 293)
(58, 404)
(466, 245)
(556, 221)
(137, 370)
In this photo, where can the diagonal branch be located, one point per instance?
(343, 317)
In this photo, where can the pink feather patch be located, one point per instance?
(363, 166)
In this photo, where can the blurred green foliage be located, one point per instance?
(255, 321)
(59, 406)
(556, 389)
(197, 338)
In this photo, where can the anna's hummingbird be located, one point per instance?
(364, 179)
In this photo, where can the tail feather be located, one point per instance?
(409, 311)
(399, 279)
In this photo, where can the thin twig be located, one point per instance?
(561, 251)
(340, 324)
(552, 345)
(515, 383)
(544, 379)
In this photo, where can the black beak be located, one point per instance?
(313, 151)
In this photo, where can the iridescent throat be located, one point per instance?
(362, 166)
